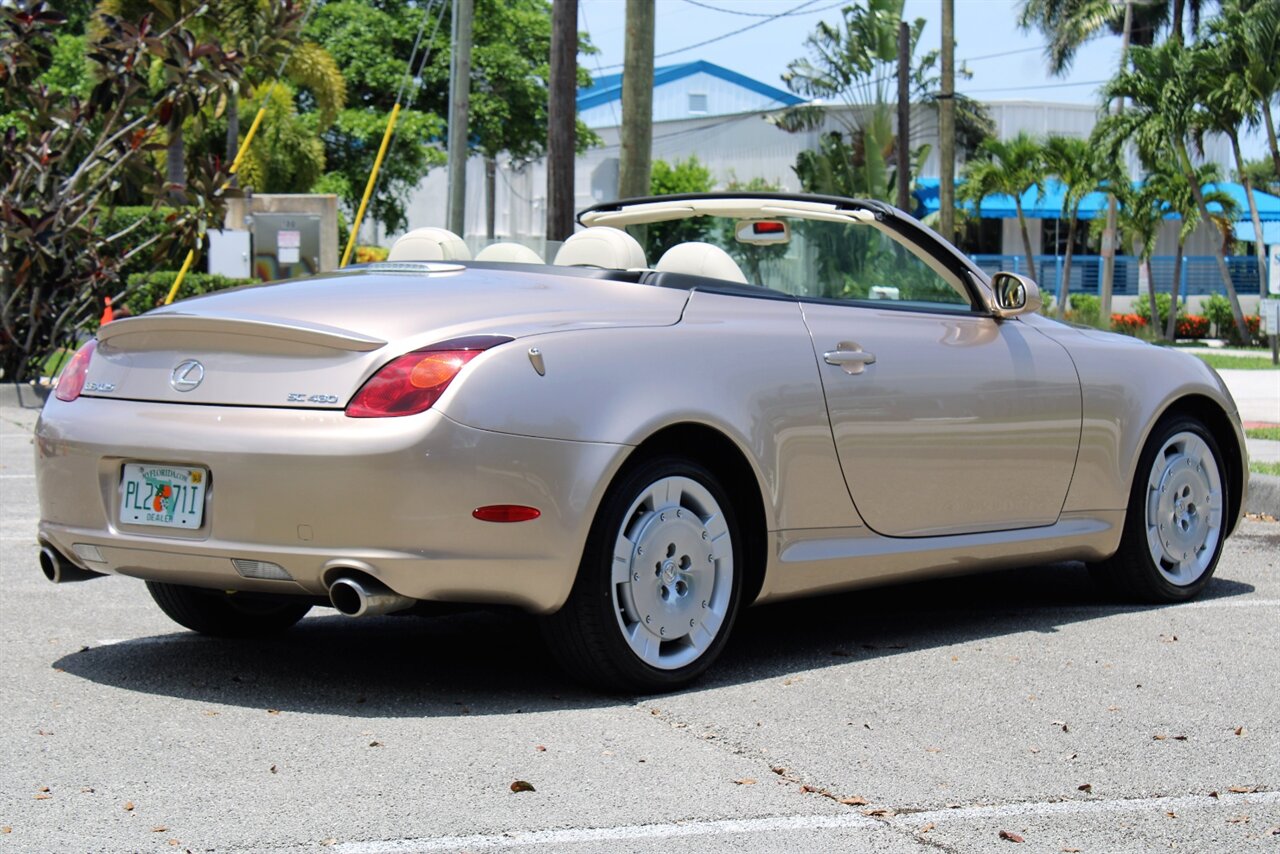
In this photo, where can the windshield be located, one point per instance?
(809, 258)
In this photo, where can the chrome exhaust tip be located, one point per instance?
(364, 597)
(59, 570)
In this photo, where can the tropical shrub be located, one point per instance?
(148, 290)
(1217, 309)
(1085, 309)
(1254, 324)
(1128, 324)
(1143, 309)
(367, 254)
(1193, 326)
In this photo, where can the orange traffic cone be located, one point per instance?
(107, 314)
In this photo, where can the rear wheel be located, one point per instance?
(213, 612)
(1176, 520)
(659, 583)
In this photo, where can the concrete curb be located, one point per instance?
(23, 395)
(1264, 494)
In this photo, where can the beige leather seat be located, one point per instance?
(604, 247)
(700, 259)
(429, 244)
(511, 253)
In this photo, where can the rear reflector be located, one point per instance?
(506, 513)
(260, 569)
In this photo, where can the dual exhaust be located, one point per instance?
(351, 595)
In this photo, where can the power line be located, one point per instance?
(731, 33)
(1040, 86)
(764, 14)
(613, 110)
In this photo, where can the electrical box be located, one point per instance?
(229, 253)
(285, 246)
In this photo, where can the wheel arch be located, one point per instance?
(1210, 413)
(726, 460)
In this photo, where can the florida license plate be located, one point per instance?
(164, 495)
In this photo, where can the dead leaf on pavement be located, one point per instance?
(159, 828)
(375, 744)
(1242, 790)
(854, 801)
(1240, 730)
(1011, 836)
(522, 786)
(1171, 814)
(779, 770)
(6, 829)
(1069, 850)
(329, 841)
(1179, 738)
(273, 769)
(1238, 819)
(746, 781)
(128, 806)
(1275, 831)
(1085, 787)
(928, 827)
(1213, 794)
(933, 750)
(87, 790)
(541, 748)
(883, 812)
(43, 789)
(1168, 638)
(807, 789)
(273, 711)
(43, 796)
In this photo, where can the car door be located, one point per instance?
(946, 419)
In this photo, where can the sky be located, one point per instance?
(1007, 64)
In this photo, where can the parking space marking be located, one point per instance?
(852, 821)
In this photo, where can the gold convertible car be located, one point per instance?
(799, 395)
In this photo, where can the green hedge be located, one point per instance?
(148, 290)
(156, 223)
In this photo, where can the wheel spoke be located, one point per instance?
(622, 551)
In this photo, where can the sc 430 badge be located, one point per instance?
(303, 397)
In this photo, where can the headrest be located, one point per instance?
(429, 244)
(700, 259)
(514, 253)
(601, 246)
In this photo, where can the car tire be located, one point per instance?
(659, 584)
(1176, 520)
(212, 612)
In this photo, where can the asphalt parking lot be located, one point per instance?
(1016, 711)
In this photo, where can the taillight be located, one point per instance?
(414, 382)
(71, 380)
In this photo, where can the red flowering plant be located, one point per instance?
(1129, 324)
(1193, 326)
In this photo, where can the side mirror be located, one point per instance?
(1014, 295)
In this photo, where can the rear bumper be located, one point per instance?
(316, 492)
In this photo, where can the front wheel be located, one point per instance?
(1176, 520)
(213, 612)
(659, 583)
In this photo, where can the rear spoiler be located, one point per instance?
(284, 330)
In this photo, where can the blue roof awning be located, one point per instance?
(1049, 204)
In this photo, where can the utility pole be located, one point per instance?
(459, 109)
(562, 110)
(1107, 286)
(947, 126)
(903, 177)
(637, 101)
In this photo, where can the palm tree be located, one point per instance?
(1174, 189)
(1073, 162)
(1247, 34)
(1226, 104)
(1139, 219)
(269, 33)
(1068, 24)
(1009, 167)
(1161, 87)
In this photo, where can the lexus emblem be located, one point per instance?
(187, 375)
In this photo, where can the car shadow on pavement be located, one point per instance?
(493, 662)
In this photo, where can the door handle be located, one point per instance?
(853, 361)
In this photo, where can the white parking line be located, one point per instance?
(852, 820)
